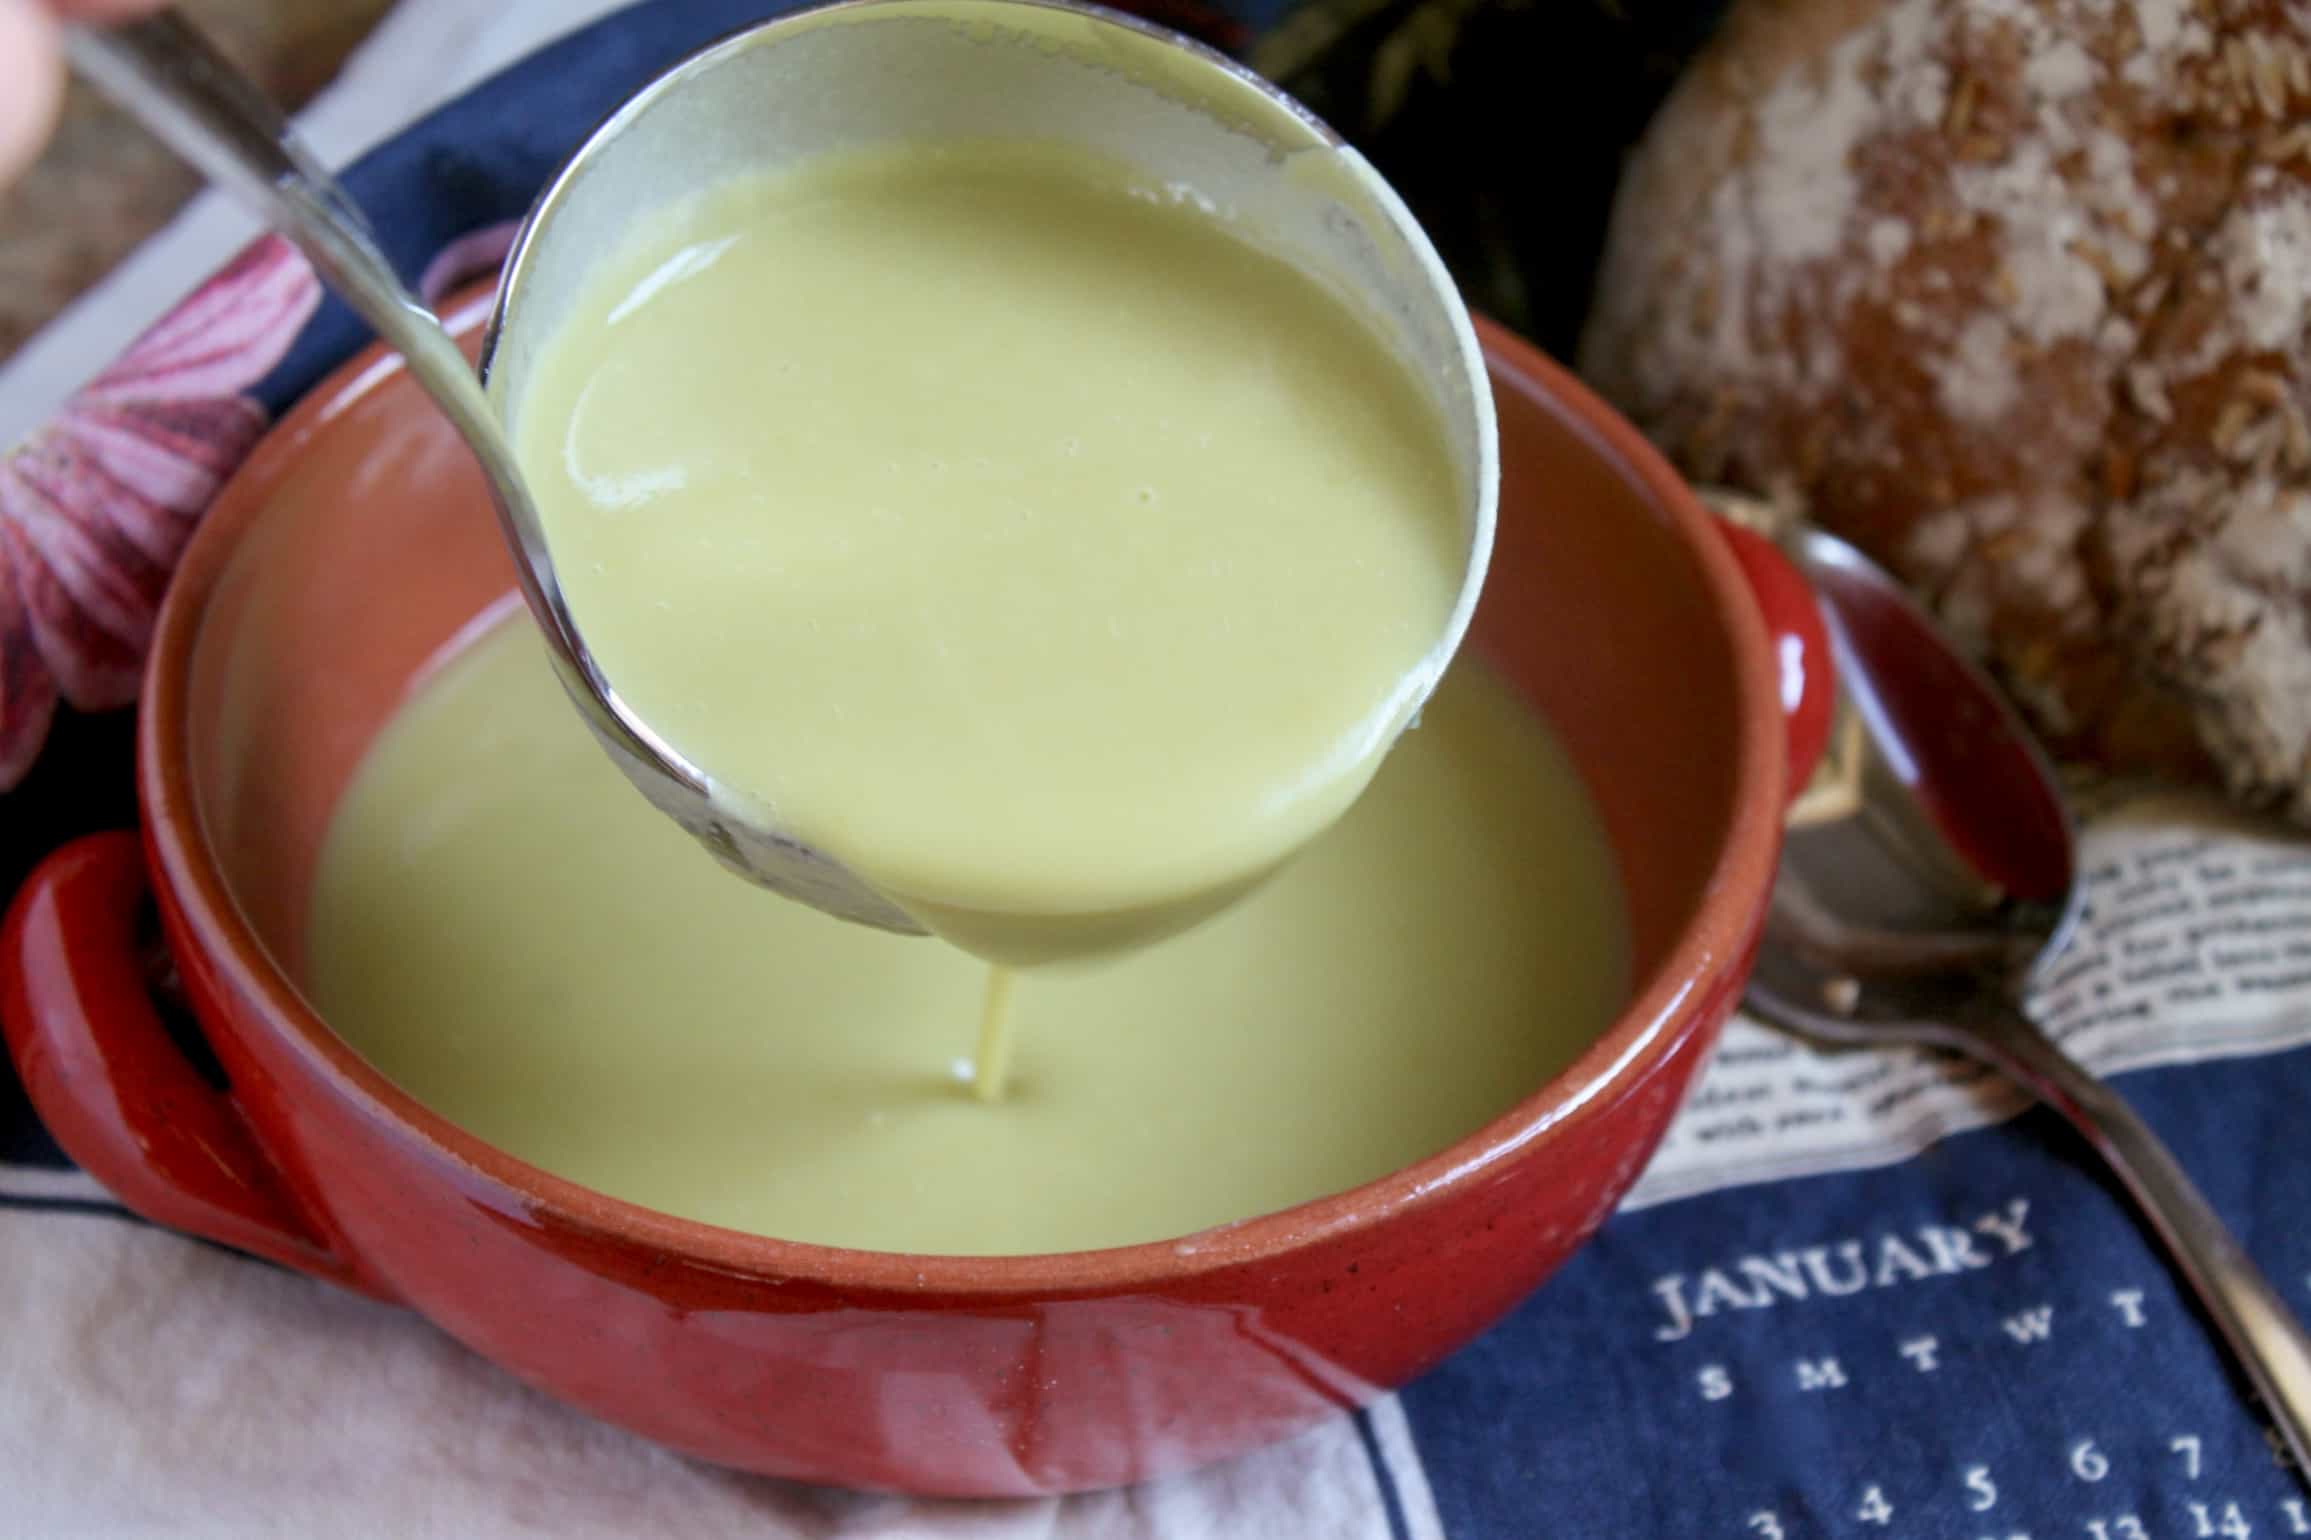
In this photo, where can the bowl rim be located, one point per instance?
(1660, 1014)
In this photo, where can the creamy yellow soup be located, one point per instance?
(1012, 532)
(503, 928)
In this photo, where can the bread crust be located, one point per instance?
(2017, 294)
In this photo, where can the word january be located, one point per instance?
(1760, 1281)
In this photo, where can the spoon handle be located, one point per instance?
(2264, 1335)
(164, 73)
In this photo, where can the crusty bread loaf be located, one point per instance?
(2017, 294)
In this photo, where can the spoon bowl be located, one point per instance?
(1955, 857)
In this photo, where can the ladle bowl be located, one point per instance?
(842, 76)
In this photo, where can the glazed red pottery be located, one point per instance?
(356, 544)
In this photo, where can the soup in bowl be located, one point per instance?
(334, 588)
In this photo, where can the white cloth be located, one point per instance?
(165, 1388)
(156, 1386)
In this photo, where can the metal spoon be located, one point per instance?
(856, 72)
(1914, 908)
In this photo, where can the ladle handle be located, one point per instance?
(164, 73)
(2264, 1335)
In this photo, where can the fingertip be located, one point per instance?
(104, 11)
(31, 83)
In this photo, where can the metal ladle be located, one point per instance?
(1917, 908)
(857, 72)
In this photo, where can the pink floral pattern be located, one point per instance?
(96, 506)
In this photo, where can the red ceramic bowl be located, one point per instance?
(357, 543)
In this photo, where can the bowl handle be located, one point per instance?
(1801, 647)
(114, 1090)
